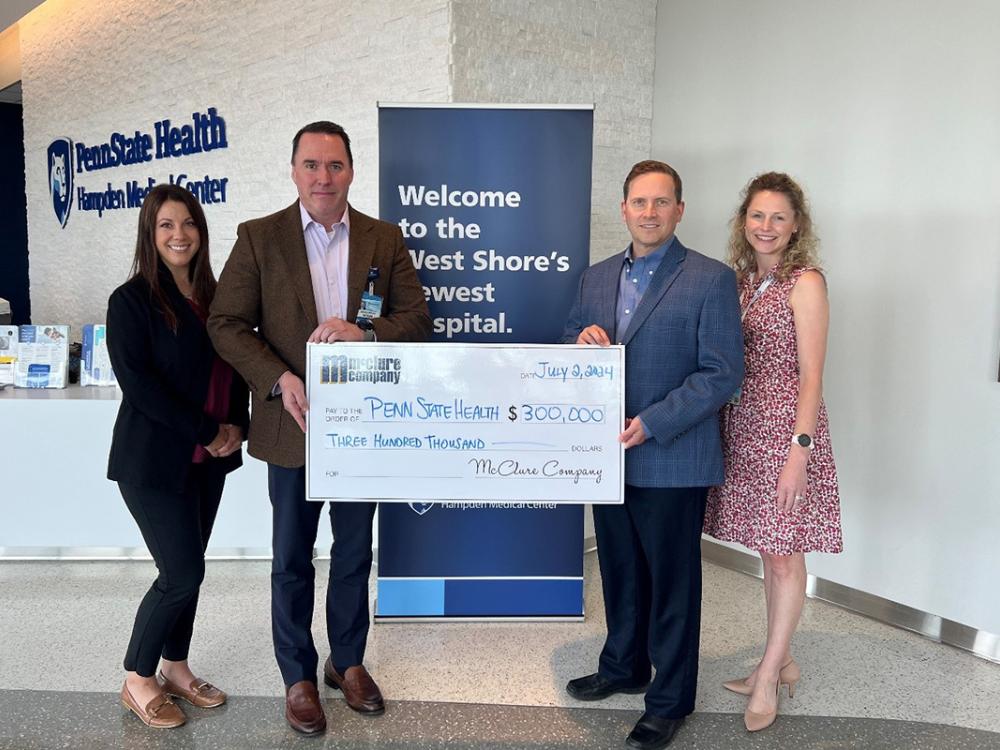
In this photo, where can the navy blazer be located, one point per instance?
(683, 361)
(164, 377)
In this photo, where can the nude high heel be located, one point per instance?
(754, 722)
(789, 675)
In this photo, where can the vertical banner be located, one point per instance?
(494, 202)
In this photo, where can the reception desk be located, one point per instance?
(56, 499)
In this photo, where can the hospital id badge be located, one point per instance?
(371, 306)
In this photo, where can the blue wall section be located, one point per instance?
(14, 248)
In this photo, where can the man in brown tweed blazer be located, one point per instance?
(292, 277)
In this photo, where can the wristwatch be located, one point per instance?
(367, 328)
(803, 440)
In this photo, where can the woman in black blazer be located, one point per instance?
(179, 430)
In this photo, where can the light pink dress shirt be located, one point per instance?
(327, 254)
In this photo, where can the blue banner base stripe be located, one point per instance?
(512, 597)
(418, 598)
(480, 598)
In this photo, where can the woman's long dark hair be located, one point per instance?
(147, 263)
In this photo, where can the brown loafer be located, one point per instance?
(303, 711)
(159, 713)
(199, 693)
(360, 690)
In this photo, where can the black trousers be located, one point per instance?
(649, 551)
(295, 522)
(176, 528)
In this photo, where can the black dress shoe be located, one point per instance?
(652, 732)
(594, 687)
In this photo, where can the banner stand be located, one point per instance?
(494, 204)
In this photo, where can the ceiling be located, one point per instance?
(11, 94)
(12, 11)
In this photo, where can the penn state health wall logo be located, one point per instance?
(61, 177)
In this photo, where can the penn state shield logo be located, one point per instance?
(420, 508)
(60, 173)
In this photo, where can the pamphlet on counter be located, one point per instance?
(42, 356)
(8, 354)
(95, 364)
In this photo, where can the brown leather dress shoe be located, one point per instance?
(199, 693)
(360, 690)
(303, 711)
(159, 713)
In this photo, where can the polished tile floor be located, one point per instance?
(467, 685)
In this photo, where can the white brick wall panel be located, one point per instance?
(269, 66)
(568, 51)
(90, 69)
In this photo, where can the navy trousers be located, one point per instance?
(649, 551)
(176, 527)
(295, 523)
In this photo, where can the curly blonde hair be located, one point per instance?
(803, 247)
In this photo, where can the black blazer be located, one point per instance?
(164, 378)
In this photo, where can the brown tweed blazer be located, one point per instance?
(264, 311)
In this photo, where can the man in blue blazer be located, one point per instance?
(677, 314)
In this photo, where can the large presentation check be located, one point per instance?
(502, 422)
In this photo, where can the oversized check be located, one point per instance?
(502, 422)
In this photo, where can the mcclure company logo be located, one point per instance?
(339, 368)
(60, 161)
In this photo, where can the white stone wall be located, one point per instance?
(567, 52)
(268, 66)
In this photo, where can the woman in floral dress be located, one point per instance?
(780, 497)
